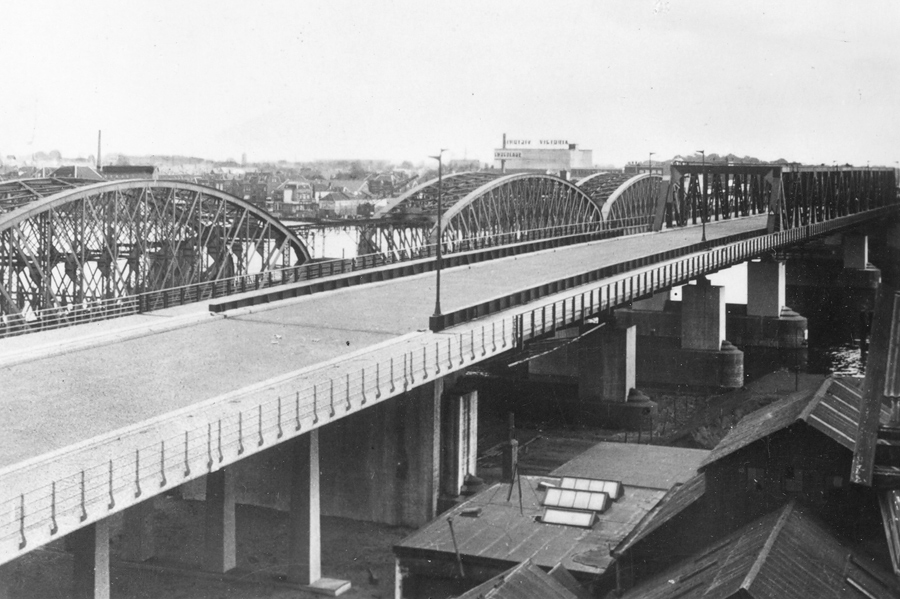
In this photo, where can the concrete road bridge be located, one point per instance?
(100, 419)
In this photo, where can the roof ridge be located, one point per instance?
(767, 547)
(816, 398)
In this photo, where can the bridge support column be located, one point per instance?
(856, 251)
(606, 379)
(90, 573)
(702, 316)
(765, 288)
(771, 334)
(606, 364)
(832, 283)
(305, 566)
(136, 543)
(8, 575)
(221, 538)
(655, 303)
(306, 536)
(685, 344)
(383, 464)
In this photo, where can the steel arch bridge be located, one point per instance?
(486, 208)
(71, 242)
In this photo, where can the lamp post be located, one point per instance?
(437, 297)
(705, 204)
(650, 164)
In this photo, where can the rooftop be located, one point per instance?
(648, 466)
(503, 533)
(677, 500)
(786, 554)
(525, 581)
(833, 410)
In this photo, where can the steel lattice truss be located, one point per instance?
(792, 196)
(816, 194)
(90, 242)
(489, 205)
(731, 191)
(625, 200)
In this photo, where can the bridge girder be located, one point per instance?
(68, 242)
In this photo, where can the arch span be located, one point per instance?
(75, 241)
(481, 204)
(625, 200)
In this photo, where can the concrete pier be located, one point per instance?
(702, 316)
(90, 572)
(382, 465)
(220, 554)
(684, 343)
(305, 565)
(136, 543)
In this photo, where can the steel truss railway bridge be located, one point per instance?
(75, 250)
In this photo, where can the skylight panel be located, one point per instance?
(611, 488)
(580, 518)
(580, 500)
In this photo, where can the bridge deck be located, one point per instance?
(55, 401)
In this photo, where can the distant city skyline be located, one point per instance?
(813, 82)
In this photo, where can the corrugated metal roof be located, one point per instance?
(892, 374)
(525, 581)
(785, 554)
(889, 501)
(675, 501)
(649, 466)
(833, 409)
(502, 534)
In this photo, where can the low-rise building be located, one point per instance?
(797, 449)
(787, 553)
(117, 172)
(549, 520)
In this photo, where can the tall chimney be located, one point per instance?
(98, 149)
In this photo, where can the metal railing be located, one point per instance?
(716, 254)
(208, 436)
(105, 309)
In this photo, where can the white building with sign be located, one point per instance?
(541, 154)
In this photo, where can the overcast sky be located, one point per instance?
(815, 81)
